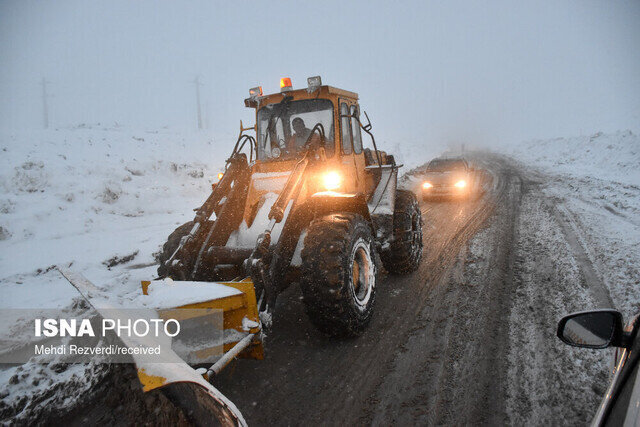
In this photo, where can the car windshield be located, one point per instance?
(284, 128)
(444, 165)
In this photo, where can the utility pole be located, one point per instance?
(45, 106)
(198, 84)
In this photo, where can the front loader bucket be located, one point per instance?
(188, 389)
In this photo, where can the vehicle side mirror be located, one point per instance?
(592, 329)
(368, 126)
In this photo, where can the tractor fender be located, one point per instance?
(328, 202)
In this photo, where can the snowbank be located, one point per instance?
(91, 197)
(613, 157)
(101, 201)
(596, 180)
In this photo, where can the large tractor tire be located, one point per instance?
(405, 251)
(339, 274)
(170, 246)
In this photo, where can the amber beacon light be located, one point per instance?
(285, 84)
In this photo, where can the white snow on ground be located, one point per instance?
(593, 183)
(91, 198)
(85, 196)
(548, 380)
(611, 157)
(597, 180)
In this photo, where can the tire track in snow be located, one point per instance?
(567, 223)
(451, 369)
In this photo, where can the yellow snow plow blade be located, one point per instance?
(186, 387)
(237, 302)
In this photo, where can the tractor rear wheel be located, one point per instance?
(170, 246)
(405, 251)
(339, 274)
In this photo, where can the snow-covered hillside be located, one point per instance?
(595, 181)
(89, 197)
(612, 157)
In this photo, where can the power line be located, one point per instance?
(198, 84)
(45, 104)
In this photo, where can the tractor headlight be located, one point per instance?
(332, 180)
(461, 184)
(427, 185)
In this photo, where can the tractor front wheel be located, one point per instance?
(339, 274)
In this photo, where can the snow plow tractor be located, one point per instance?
(302, 202)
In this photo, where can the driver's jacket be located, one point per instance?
(297, 141)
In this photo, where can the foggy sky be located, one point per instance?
(432, 72)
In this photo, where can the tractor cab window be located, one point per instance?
(285, 128)
(355, 130)
(345, 128)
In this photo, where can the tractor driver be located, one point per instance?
(300, 136)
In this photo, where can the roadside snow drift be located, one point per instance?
(99, 200)
(595, 182)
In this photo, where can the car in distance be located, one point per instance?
(601, 329)
(452, 177)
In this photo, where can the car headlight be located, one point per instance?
(427, 185)
(332, 180)
(461, 184)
